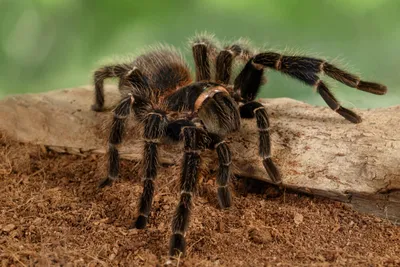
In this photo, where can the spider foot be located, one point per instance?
(224, 197)
(272, 171)
(349, 115)
(140, 222)
(105, 182)
(97, 108)
(177, 245)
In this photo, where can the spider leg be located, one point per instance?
(248, 82)
(195, 139)
(305, 69)
(100, 75)
(257, 110)
(224, 170)
(218, 111)
(121, 113)
(224, 64)
(225, 59)
(129, 77)
(154, 129)
(203, 48)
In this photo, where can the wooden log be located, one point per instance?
(317, 151)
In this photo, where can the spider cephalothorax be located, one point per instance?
(158, 89)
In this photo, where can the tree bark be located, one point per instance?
(317, 151)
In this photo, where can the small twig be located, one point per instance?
(191, 246)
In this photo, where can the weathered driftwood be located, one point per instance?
(317, 151)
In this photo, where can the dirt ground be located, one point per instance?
(53, 214)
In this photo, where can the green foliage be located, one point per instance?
(48, 44)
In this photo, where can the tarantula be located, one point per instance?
(157, 87)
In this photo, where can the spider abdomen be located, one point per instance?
(165, 69)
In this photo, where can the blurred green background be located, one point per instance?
(51, 44)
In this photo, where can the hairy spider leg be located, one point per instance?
(195, 139)
(257, 110)
(224, 65)
(155, 124)
(203, 48)
(247, 85)
(121, 113)
(224, 170)
(248, 82)
(225, 60)
(224, 174)
(103, 73)
(190, 94)
(306, 69)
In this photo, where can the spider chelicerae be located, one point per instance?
(158, 89)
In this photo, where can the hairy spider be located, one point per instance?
(157, 88)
